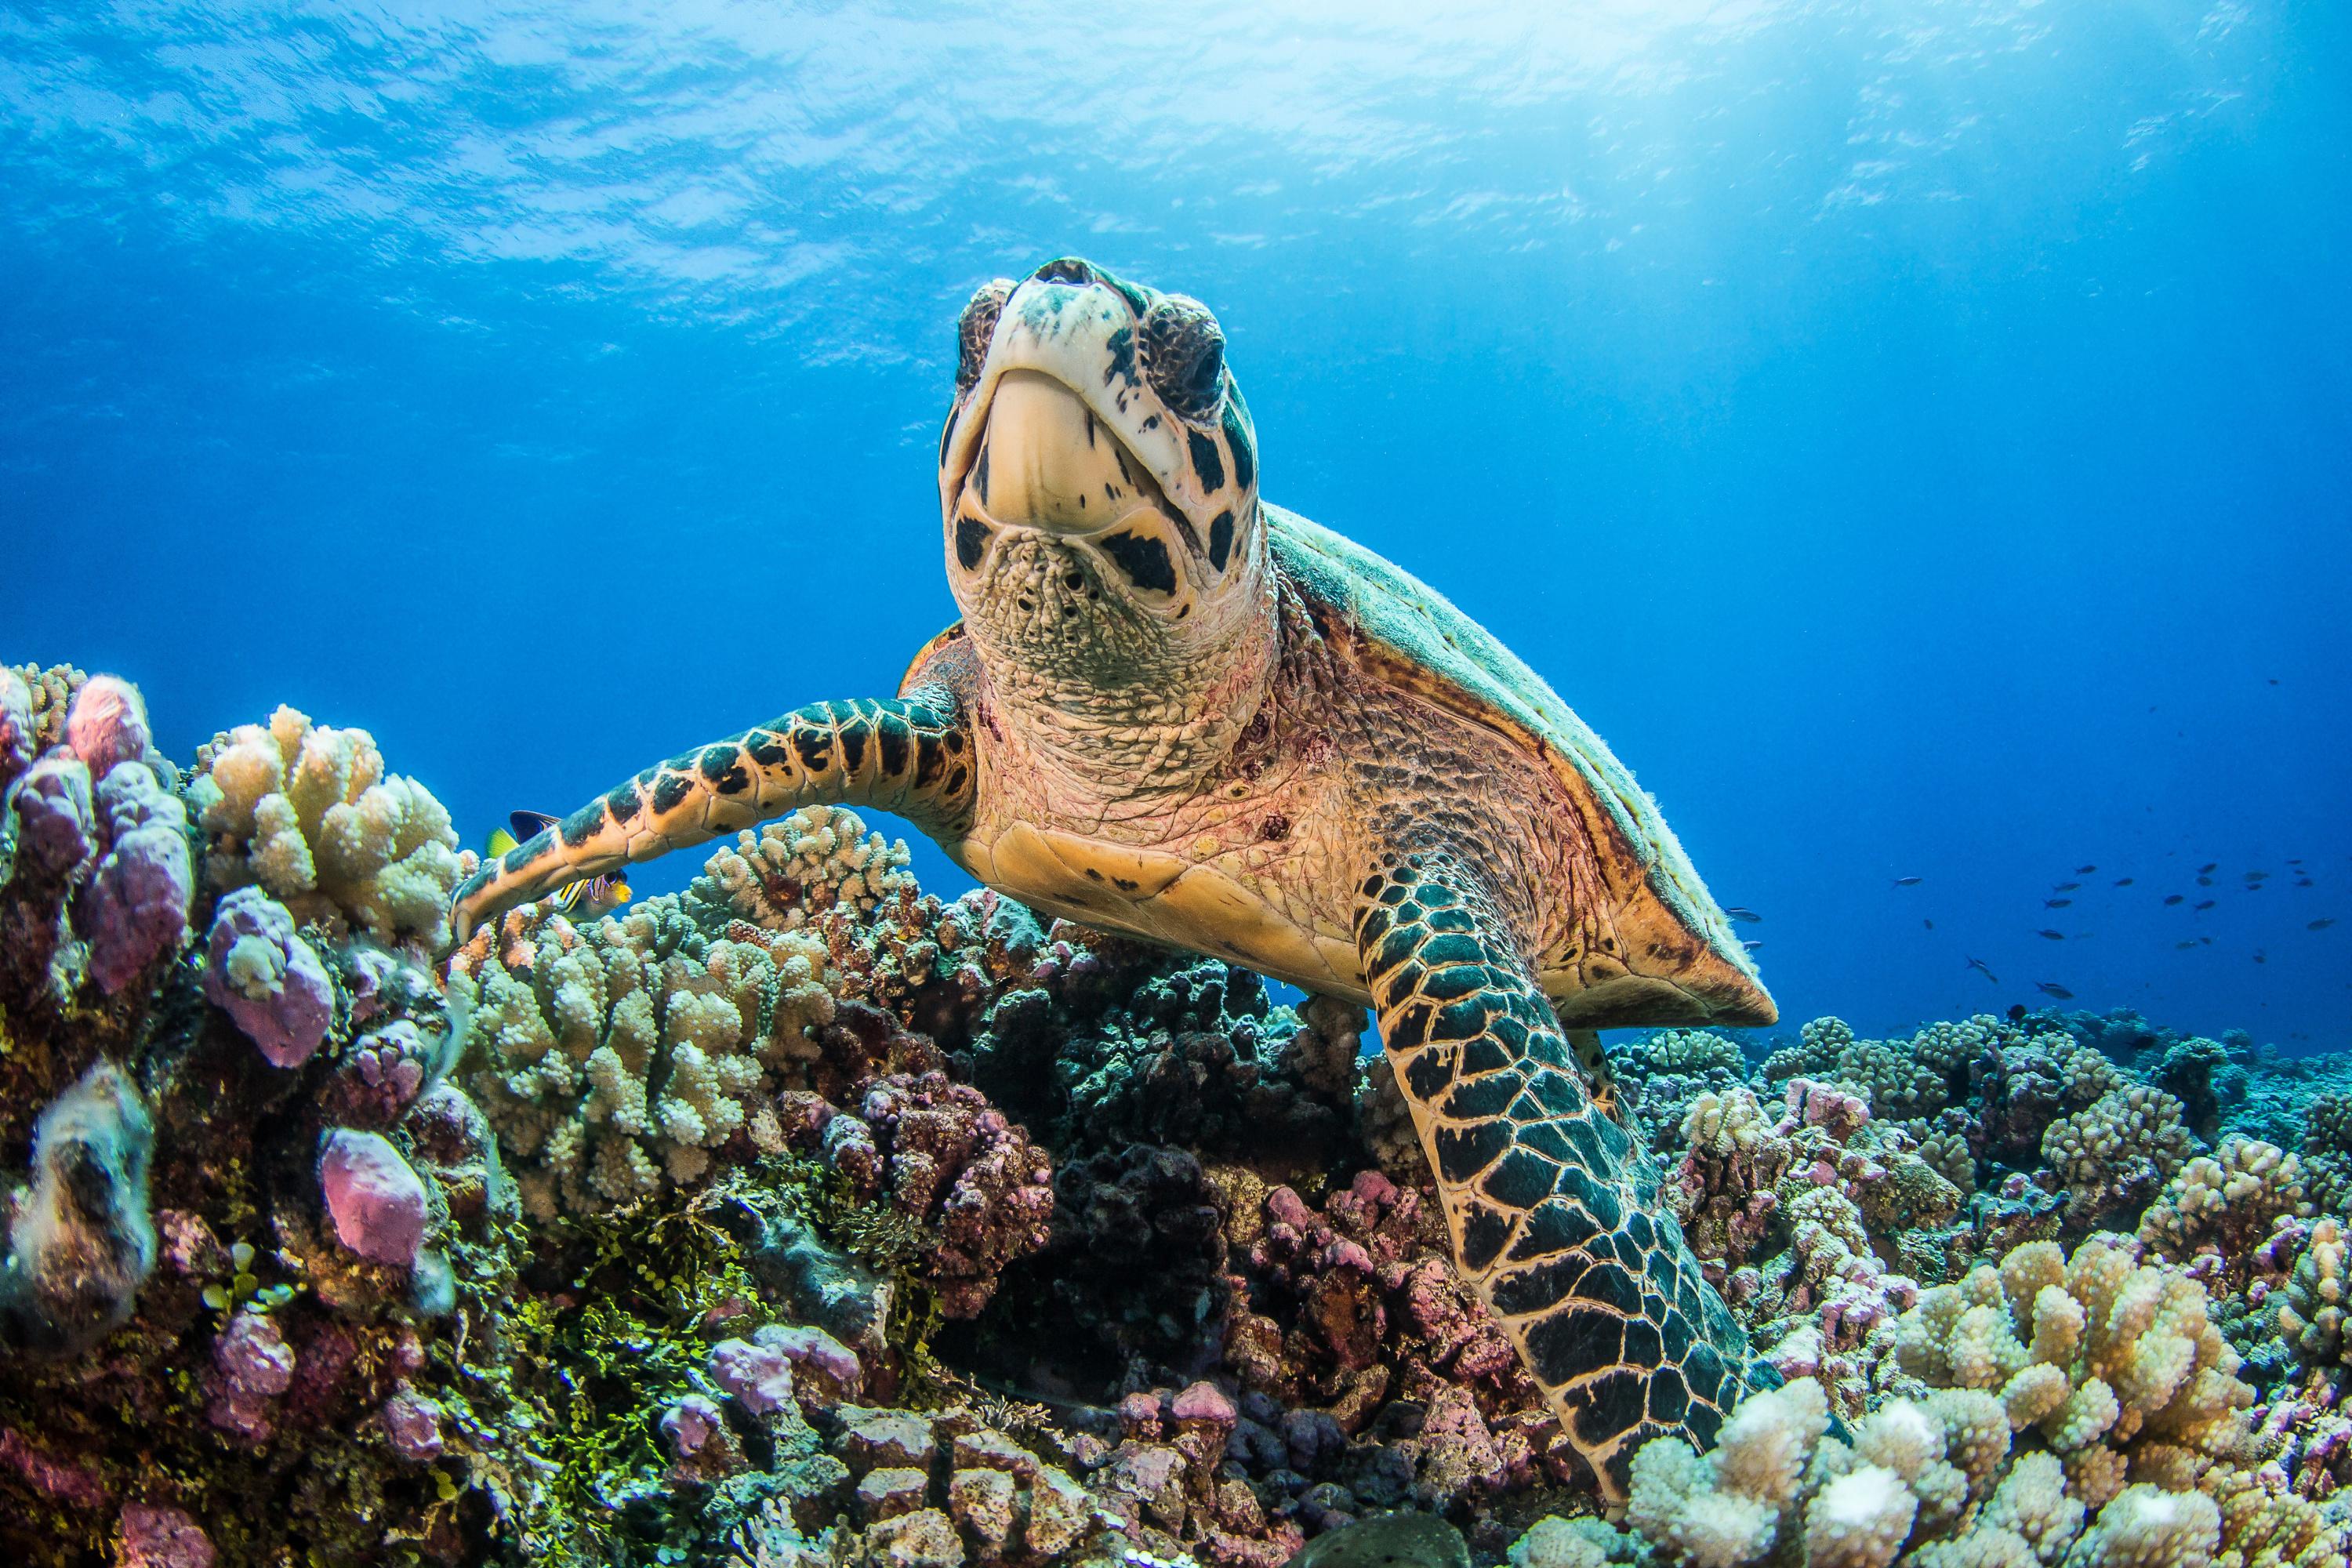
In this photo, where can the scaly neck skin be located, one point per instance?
(1105, 703)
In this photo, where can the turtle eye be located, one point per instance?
(976, 327)
(1184, 357)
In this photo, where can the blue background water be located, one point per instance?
(1916, 435)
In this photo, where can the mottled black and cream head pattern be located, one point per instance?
(1098, 477)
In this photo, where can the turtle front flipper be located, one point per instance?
(912, 754)
(1553, 1207)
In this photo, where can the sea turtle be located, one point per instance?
(1175, 711)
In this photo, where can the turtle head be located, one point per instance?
(1098, 476)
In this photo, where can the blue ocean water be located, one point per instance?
(1917, 436)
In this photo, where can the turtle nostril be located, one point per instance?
(1067, 269)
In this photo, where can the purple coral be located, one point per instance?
(137, 909)
(253, 1366)
(55, 828)
(956, 1162)
(267, 978)
(16, 742)
(759, 1375)
(382, 1075)
(154, 1537)
(759, 1371)
(412, 1422)
(377, 1202)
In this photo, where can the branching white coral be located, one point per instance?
(308, 813)
(817, 858)
(613, 1058)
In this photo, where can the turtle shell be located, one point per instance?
(1410, 636)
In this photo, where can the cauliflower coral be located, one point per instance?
(309, 814)
(613, 1058)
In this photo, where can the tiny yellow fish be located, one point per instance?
(590, 898)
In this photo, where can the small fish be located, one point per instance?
(2257, 876)
(2052, 935)
(2322, 923)
(1750, 916)
(2182, 946)
(2057, 903)
(2067, 887)
(2294, 859)
(2051, 988)
(2204, 941)
(2123, 882)
(1752, 946)
(2206, 905)
(2305, 882)
(590, 898)
(2204, 881)
(2176, 897)
(1929, 923)
(1981, 967)
(2208, 869)
(1908, 881)
(2259, 959)
(2084, 870)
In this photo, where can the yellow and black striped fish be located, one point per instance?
(589, 899)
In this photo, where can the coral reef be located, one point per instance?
(803, 1217)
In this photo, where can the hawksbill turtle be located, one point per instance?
(1173, 710)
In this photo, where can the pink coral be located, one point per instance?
(107, 725)
(377, 1202)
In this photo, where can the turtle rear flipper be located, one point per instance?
(912, 754)
(1553, 1207)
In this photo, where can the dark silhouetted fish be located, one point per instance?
(2192, 943)
(1908, 881)
(2122, 882)
(1750, 916)
(2259, 959)
(2204, 881)
(2051, 988)
(2206, 905)
(2208, 869)
(2067, 887)
(2084, 870)
(2057, 903)
(2321, 924)
(1981, 967)
(2052, 935)
(2176, 897)
(2258, 876)
(2305, 882)
(2204, 941)
(1929, 923)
